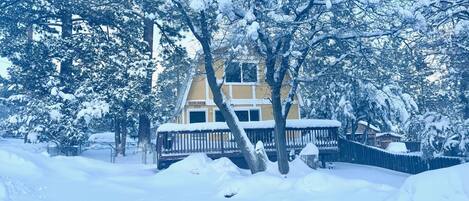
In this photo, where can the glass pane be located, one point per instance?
(254, 115)
(249, 72)
(196, 117)
(242, 115)
(232, 72)
(219, 117)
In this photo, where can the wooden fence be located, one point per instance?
(354, 152)
(175, 145)
(413, 146)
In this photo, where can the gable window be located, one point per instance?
(243, 115)
(236, 72)
(197, 117)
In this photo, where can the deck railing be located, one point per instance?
(173, 145)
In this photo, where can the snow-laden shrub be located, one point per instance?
(439, 134)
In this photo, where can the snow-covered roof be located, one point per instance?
(364, 123)
(185, 87)
(389, 133)
(293, 123)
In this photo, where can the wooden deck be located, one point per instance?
(172, 146)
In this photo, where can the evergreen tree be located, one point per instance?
(64, 57)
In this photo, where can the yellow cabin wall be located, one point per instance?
(197, 90)
(200, 97)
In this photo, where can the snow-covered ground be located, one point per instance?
(27, 173)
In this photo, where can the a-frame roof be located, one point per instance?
(185, 88)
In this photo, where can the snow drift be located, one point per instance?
(27, 174)
(446, 184)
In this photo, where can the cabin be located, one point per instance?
(200, 127)
(384, 139)
(363, 126)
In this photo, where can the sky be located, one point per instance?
(4, 63)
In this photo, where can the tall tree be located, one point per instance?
(55, 78)
(144, 123)
(288, 34)
(199, 18)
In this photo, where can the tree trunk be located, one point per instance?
(247, 149)
(144, 128)
(117, 136)
(29, 52)
(464, 87)
(204, 36)
(279, 131)
(144, 124)
(66, 63)
(240, 136)
(123, 134)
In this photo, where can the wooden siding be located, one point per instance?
(200, 95)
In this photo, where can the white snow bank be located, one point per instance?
(397, 147)
(447, 184)
(195, 178)
(30, 176)
(296, 123)
(310, 149)
(300, 183)
(12, 164)
(3, 192)
(201, 164)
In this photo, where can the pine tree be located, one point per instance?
(63, 57)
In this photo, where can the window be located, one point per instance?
(241, 72)
(254, 115)
(249, 72)
(243, 115)
(233, 72)
(197, 116)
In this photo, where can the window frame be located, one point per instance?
(196, 110)
(240, 62)
(248, 109)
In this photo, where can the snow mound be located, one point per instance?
(446, 184)
(3, 192)
(397, 147)
(201, 164)
(310, 149)
(13, 164)
(301, 182)
(321, 182)
(260, 184)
